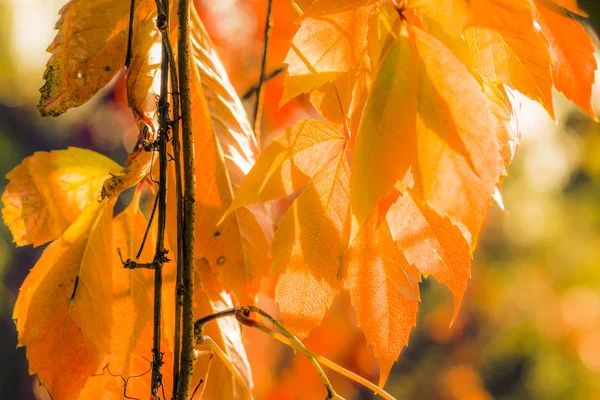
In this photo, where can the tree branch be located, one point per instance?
(159, 255)
(259, 94)
(188, 356)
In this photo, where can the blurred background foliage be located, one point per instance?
(529, 327)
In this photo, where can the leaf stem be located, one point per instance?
(259, 93)
(243, 317)
(188, 355)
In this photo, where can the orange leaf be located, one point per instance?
(506, 48)
(307, 248)
(325, 7)
(384, 147)
(87, 52)
(431, 243)
(384, 290)
(452, 15)
(48, 191)
(238, 250)
(503, 15)
(573, 55)
(443, 128)
(64, 308)
(323, 48)
(143, 75)
(131, 338)
(211, 297)
(458, 160)
(289, 162)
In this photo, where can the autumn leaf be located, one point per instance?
(506, 48)
(88, 51)
(326, 7)
(143, 74)
(210, 298)
(452, 15)
(573, 55)
(458, 159)
(132, 294)
(308, 247)
(384, 291)
(238, 249)
(431, 243)
(323, 48)
(444, 128)
(64, 309)
(384, 147)
(48, 191)
(289, 162)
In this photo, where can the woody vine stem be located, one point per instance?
(188, 356)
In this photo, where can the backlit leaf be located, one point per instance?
(573, 55)
(48, 191)
(431, 243)
(384, 147)
(458, 160)
(384, 291)
(131, 337)
(508, 49)
(225, 147)
(210, 298)
(325, 7)
(323, 48)
(88, 51)
(307, 248)
(289, 162)
(64, 308)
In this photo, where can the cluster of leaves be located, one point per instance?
(394, 182)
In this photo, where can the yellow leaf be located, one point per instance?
(88, 51)
(64, 308)
(238, 250)
(48, 191)
(384, 291)
(451, 15)
(131, 337)
(323, 48)
(143, 75)
(307, 248)
(211, 297)
(289, 162)
(384, 147)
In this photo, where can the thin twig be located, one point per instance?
(148, 227)
(188, 355)
(159, 255)
(130, 35)
(179, 195)
(243, 317)
(263, 66)
(250, 92)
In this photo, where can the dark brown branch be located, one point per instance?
(263, 65)
(179, 195)
(159, 256)
(130, 35)
(250, 92)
